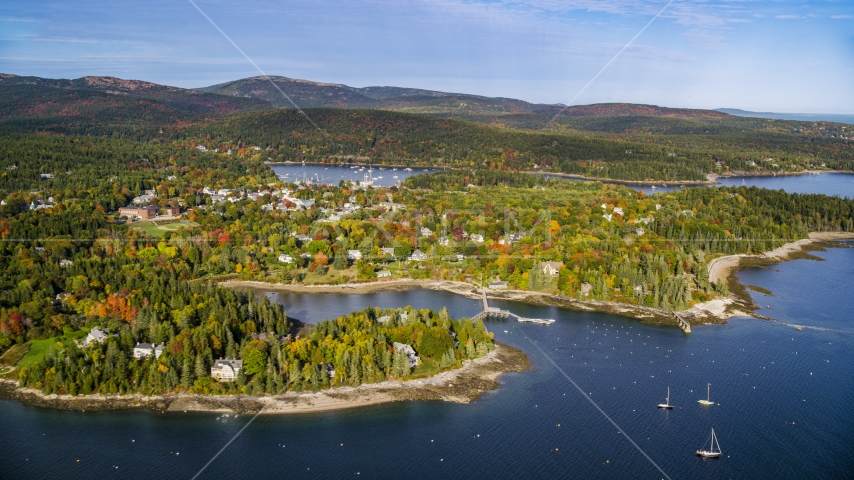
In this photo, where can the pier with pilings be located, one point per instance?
(682, 323)
(493, 312)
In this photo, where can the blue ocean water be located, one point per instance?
(839, 184)
(783, 404)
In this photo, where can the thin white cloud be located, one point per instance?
(789, 17)
(19, 20)
(84, 41)
(842, 17)
(705, 40)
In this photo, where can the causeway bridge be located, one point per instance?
(493, 312)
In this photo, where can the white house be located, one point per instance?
(65, 263)
(409, 351)
(226, 370)
(618, 211)
(443, 241)
(285, 258)
(383, 274)
(392, 206)
(418, 256)
(354, 255)
(426, 232)
(96, 335)
(142, 199)
(387, 252)
(476, 237)
(143, 350)
(551, 268)
(460, 257)
(498, 285)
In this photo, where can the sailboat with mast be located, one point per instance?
(666, 405)
(708, 400)
(711, 452)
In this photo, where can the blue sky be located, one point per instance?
(792, 56)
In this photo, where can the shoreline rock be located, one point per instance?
(461, 385)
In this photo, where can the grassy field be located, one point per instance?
(14, 354)
(38, 349)
(427, 368)
(161, 228)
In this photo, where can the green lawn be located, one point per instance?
(14, 354)
(427, 368)
(38, 349)
(161, 228)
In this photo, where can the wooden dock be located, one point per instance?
(504, 314)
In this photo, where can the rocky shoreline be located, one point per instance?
(462, 385)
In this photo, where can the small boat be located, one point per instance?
(711, 452)
(408, 169)
(654, 187)
(667, 404)
(708, 400)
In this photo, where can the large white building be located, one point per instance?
(226, 370)
(143, 350)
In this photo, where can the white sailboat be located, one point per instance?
(666, 405)
(708, 400)
(711, 452)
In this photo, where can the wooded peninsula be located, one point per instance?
(120, 215)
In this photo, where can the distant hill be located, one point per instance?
(178, 98)
(804, 117)
(309, 94)
(422, 127)
(632, 109)
(477, 108)
(37, 108)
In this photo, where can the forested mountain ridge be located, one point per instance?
(310, 94)
(632, 142)
(178, 98)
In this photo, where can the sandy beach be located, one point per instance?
(719, 268)
(462, 385)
